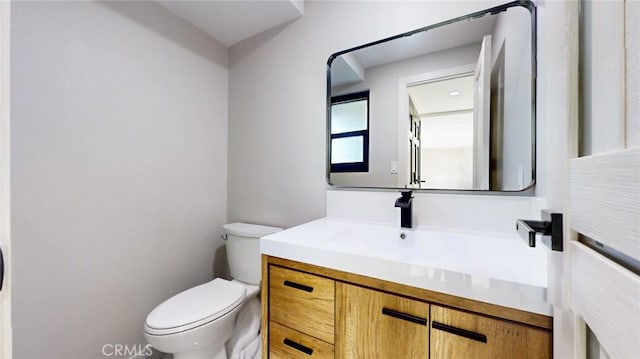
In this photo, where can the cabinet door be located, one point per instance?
(372, 324)
(457, 334)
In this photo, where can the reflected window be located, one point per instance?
(349, 147)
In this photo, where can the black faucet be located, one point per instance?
(404, 203)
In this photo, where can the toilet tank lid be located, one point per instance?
(249, 230)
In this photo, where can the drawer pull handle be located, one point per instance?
(298, 346)
(404, 316)
(461, 332)
(306, 288)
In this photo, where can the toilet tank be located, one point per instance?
(243, 250)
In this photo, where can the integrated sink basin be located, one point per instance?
(407, 246)
(496, 268)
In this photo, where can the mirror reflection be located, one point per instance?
(450, 106)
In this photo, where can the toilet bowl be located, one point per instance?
(196, 323)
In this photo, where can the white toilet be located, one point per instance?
(196, 323)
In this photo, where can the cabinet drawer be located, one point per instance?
(457, 334)
(288, 343)
(372, 324)
(302, 301)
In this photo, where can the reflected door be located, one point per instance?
(415, 173)
(482, 97)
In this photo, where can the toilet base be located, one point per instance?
(210, 352)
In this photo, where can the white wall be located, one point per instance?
(5, 181)
(382, 81)
(497, 214)
(119, 157)
(277, 94)
(447, 167)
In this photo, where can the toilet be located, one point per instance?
(196, 323)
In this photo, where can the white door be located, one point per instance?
(5, 298)
(605, 180)
(481, 102)
(593, 49)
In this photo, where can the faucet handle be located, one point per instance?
(406, 194)
(405, 200)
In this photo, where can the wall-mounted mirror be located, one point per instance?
(450, 106)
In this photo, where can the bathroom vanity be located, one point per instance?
(335, 288)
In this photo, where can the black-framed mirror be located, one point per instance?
(450, 106)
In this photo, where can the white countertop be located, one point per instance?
(494, 268)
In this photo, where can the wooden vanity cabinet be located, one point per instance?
(373, 324)
(303, 302)
(286, 343)
(316, 312)
(458, 334)
(301, 314)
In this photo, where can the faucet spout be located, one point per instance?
(405, 205)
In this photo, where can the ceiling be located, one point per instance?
(233, 21)
(433, 97)
(441, 38)
(349, 68)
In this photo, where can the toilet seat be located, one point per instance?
(195, 307)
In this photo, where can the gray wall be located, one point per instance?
(277, 90)
(119, 157)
